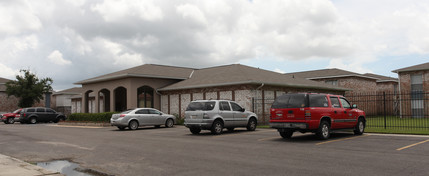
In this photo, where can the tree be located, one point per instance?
(28, 88)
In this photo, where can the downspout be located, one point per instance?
(160, 99)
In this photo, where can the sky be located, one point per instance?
(73, 40)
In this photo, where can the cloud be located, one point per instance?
(118, 34)
(56, 57)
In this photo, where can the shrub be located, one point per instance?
(179, 120)
(91, 117)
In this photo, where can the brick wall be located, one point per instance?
(356, 84)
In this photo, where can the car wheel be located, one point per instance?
(10, 120)
(56, 120)
(230, 129)
(360, 127)
(217, 127)
(251, 125)
(133, 125)
(169, 123)
(33, 120)
(195, 130)
(286, 134)
(121, 128)
(324, 130)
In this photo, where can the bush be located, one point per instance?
(179, 120)
(91, 117)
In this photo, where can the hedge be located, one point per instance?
(91, 117)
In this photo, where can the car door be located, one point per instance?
(50, 114)
(226, 113)
(240, 118)
(142, 116)
(156, 117)
(337, 113)
(350, 115)
(41, 113)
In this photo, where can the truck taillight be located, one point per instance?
(307, 114)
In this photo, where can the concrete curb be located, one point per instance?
(11, 167)
(96, 124)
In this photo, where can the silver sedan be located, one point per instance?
(142, 117)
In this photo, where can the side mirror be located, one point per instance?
(354, 106)
(242, 110)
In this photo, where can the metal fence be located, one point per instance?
(383, 109)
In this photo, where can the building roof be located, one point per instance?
(147, 70)
(382, 78)
(419, 67)
(237, 74)
(71, 91)
(3, 81)
(327, 73)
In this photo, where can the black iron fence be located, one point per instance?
(383, 109)
(405, 110)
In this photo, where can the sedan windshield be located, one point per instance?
(201, 106)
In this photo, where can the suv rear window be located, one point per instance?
(201, 106)
(290, 101)
(318, 100)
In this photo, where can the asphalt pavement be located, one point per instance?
(175, 151)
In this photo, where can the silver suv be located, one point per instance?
(215, 115)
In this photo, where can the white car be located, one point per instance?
(142, 117)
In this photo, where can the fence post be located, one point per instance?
(384, 103)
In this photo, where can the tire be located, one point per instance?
(11, 120)
(286, 134)
(324, 130)
(121, 128)
(230, 129)
(33, 120)
(133, 125)
(217, 127)
(360, 127)
(195, 130)
(169, 123)
(251, 125)
(56, 120)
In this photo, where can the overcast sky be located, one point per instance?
(73, 40)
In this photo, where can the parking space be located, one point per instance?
(175, 151)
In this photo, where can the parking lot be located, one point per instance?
(175, 151)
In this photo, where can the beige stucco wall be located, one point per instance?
(131, 85)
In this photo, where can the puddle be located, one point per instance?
(64, 167)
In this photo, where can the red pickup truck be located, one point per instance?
(9, 118)
(317, 113)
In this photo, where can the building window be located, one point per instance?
(417, 102)
(145, 97)
(332, 82)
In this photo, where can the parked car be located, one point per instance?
(214, 115)
(40, 114)
(142, 117)
(9, 118)
(317, 113)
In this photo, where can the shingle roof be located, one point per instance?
(237, 74)
(327, 73)
(419, 67)
(74, 90)
(381, 78)
(3, 81)
(147, 70)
